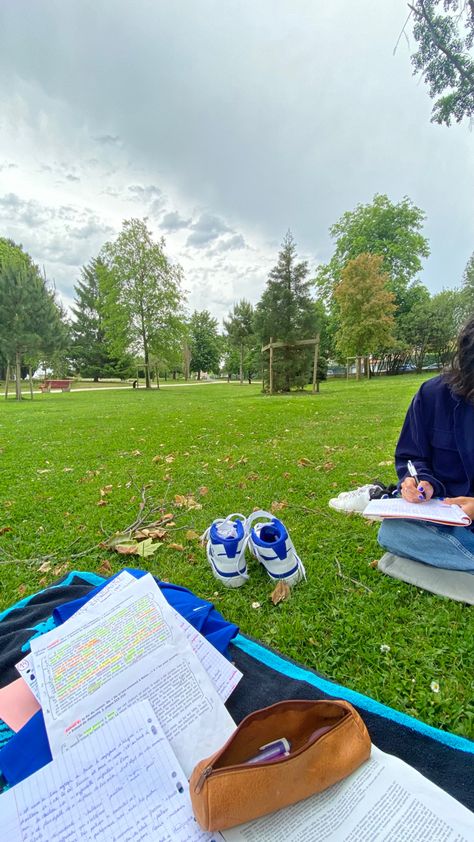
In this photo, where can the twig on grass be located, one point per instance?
(355, 581)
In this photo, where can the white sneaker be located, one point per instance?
(227, 539)
(353, 501)
(271, 545)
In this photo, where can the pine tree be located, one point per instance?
(90, 350)
(286, 312)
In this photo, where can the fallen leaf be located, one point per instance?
(286, 475)
(191, 535)
(127, 549)
(305, 463)
(167, 517)
(45, 567)
(4, 529)
(136, 453)
(328, 466)
(150, 533)
(67, 470)
(43, 470)
(21, 590)
(147, 548)
(107, 489)
(278, 506)
(374, 563)
(102, 503)
(105, 568)
(178, 547)
(387, 462)
(157, 458)
(280, 593)
(203, 490)
(169, 458)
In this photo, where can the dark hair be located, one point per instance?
(461, 374)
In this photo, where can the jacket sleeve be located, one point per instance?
(414, 444)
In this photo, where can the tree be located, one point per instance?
(90, 349)
(204, 343)
(30, 319)
(468, 288)
(287, 313)
(392, 231)
(240, 330)
(366, 307)
(444, 32)
(142, 290)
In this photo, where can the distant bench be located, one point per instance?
(64, 385)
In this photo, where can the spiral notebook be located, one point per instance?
(431, 510)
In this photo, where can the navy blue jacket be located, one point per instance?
(438, 437)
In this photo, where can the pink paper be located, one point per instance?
(17, 704)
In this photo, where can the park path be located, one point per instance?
(162, 386)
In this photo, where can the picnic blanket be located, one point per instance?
(268, 677)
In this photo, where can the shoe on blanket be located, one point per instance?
(356, 500)
(271, 545)
(226, 542)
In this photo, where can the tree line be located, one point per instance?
(129, 316)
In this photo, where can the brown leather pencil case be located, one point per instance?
(328, 740)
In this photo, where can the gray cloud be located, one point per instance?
(107, 139)
(173, 221)
(207, 228)
(230, 244)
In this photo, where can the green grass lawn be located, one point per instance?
(242, 450)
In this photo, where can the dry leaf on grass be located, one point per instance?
(157, 458)
(278, 506)
(305, 463)
(178, 547)
(45, 567)
(126, 549)
(136, 453)
(374, 563)
(203, 490)
(102, 502)
(21, 590)
(4, 529)
(186, 501)
(169, 458)
(107, 489)
(280, 593)
(105, 568)
(191, 535)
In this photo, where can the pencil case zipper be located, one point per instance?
(210, 770)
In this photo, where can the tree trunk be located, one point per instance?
(18, 375)
(7, 379)
(241, 372)
(157, 378)
(199, 374)
(147, 368)
(30, 379)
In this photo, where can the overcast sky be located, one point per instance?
(225, 122)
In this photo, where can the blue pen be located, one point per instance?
(413, 473)
(270, 751)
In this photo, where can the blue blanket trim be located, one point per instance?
(92, 578)
(275, 662)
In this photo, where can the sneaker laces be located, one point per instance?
(248, 537)
(226, 529)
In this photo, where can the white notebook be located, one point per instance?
(432, 510)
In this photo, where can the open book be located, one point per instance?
(432, 510)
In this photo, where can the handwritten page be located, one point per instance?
(17, 704)
(431, 510)
(93, 667)
(125, 784)
(384, 800)
(222, 673)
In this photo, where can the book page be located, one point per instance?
(125, 784)
(433, 510)
(385, 800)
(93, 667)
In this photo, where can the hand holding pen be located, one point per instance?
(414, 490)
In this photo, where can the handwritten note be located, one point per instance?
(92, 668)
(124, 784)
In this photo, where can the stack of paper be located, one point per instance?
(434, 510)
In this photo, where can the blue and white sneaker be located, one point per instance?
(272, 546)
(226, 542)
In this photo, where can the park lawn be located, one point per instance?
(233, 449)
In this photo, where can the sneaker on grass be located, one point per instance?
(226, 542)
(355, 501)
(271, 545)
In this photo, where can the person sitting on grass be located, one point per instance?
(438, 438)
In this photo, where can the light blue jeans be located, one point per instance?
(451, 547)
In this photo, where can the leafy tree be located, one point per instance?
(446, 317)
(392, 231)
(142, 291)
(90, 349)
(468, 288)
(444, 32)
(287, 313)
(204, 343)
(366, 307)
(30, 319)
(240, 330)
